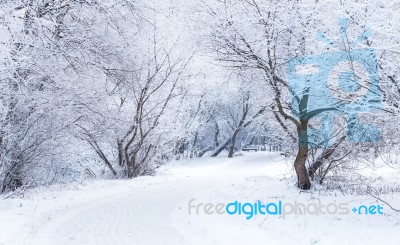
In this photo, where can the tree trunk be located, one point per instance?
(233, 141)
(192, 149)
(303, 180)
(221, 147)
(131, 172)
(216, 135)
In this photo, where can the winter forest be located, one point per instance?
(117, 90)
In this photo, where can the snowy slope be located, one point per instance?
(155, 210)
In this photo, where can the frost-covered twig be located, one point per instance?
(377, 198)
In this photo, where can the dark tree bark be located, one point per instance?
(221, 147)
(216, 135)
(303, 180)
(233, 141)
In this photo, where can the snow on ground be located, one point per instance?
(155, 210)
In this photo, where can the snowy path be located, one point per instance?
(154, 210)
(134, 217)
